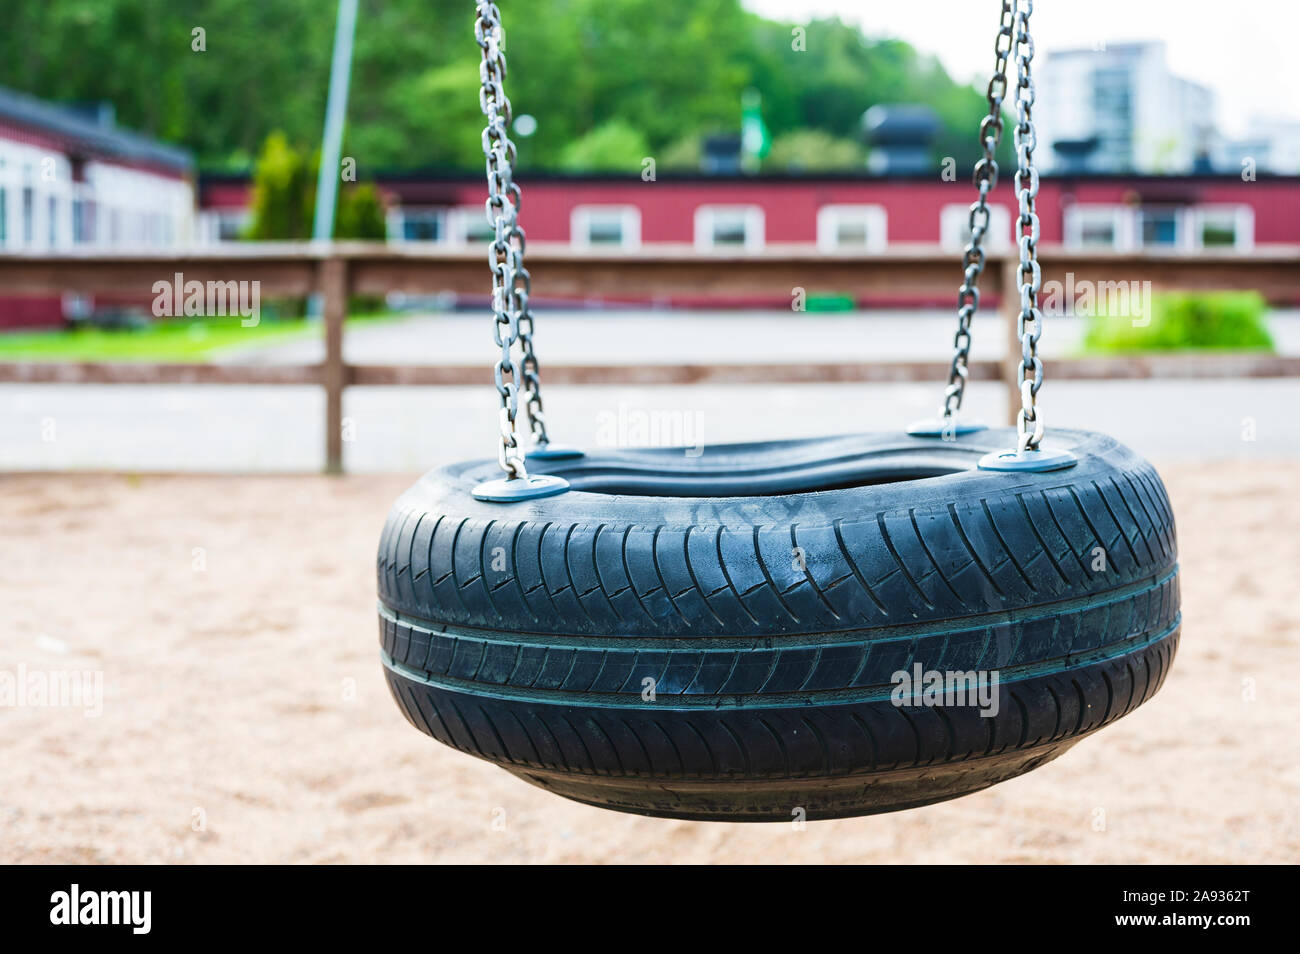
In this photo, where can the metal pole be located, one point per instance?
(332, 286)
(336, 109)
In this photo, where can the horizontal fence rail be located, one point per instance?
(665, 275)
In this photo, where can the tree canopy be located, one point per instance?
(607, 80)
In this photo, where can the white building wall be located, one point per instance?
(1273, 145)
(149, 210)
(1063, 100)
(138, 208)
(1148, 120)
(35, 183)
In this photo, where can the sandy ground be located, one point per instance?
(245, 718)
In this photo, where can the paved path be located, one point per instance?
(616, 337)
(248, 429)
(213, 428)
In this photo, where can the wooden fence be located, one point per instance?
(662, 274)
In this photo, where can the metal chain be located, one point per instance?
(529, 367)
(1029, 324)
(985, 178)
(510, 280)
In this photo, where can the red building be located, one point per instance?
(848, 212)
(832, 211)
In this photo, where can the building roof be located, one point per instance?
(900, 124)
(447, 176)
(1126, 47)
(97, 137)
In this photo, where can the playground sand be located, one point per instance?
(244, 715)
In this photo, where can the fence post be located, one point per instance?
(1010, 308)
(334, 286)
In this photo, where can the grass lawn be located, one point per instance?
(171, 340)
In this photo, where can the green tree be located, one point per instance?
(432, 119)
(811, 150)
(283, 192)
(670, 72)
(284, 198)
(615, 146)
(360, 213)
(684, 155)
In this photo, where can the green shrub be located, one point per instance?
(360, 213)
(812, 150)
(684, 155)
(284, 187)
(613, 146)
(284, 198)
(1226, 320)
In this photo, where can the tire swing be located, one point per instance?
(805, 628)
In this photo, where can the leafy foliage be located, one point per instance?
(284, 198)
(614, 146)
(360, 213)
(670, 73)
(1228, 320)
(284, 188)
(810, 150)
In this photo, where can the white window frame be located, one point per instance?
(755, 226)
(150, 210)
(458, 223)
(957, 236)
(1123, 219)
(580, 220)
(1185, 238)
(1243, 223)
(239, 219)
(82, 196)
(396, 222)
(873, 217)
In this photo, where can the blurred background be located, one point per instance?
(777, 132)
(243, 242)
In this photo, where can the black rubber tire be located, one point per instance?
(522, 633)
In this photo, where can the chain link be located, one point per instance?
(1029, 324)
(1013, 39)
(511, 282)
(529, 367)
(985, 178)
